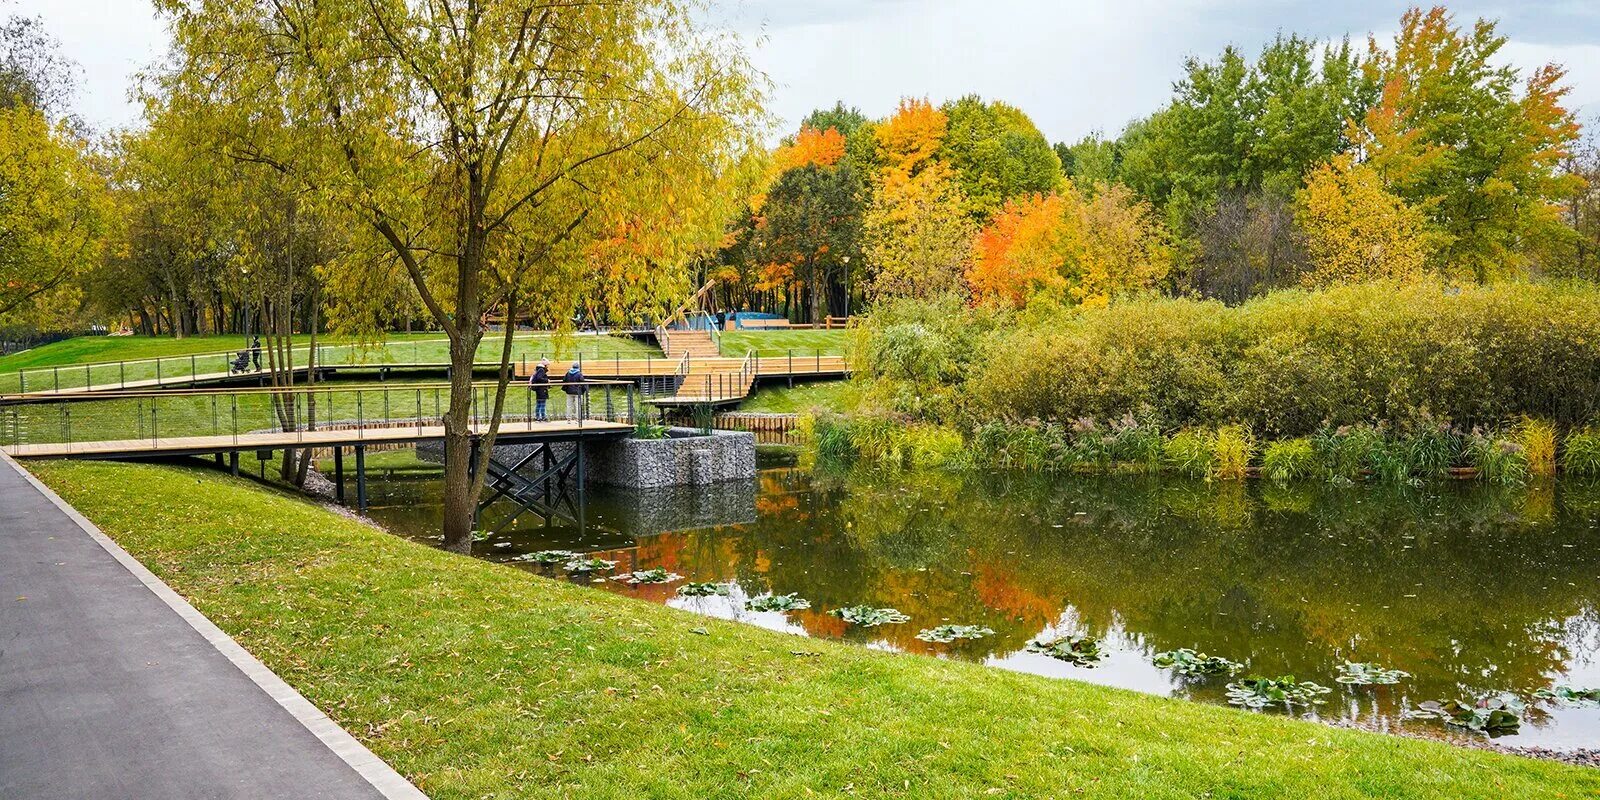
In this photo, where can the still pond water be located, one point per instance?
(1473, 590)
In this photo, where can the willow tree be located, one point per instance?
(487, 145)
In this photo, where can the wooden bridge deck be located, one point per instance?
(557, 430)
(609, 368)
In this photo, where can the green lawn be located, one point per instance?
(817, 396)
(64, 363)
(477, 680)
(781, 342)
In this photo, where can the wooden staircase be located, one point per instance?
(698, 344)
(714, 382)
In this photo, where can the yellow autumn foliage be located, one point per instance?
(1356, 230)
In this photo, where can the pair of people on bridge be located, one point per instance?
(577, 393)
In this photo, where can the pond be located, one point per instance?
(1473, 590)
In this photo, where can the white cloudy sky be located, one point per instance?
(1074, 65)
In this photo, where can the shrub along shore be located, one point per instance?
(478, 680)
(1395, 381)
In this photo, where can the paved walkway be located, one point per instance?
(111, 686)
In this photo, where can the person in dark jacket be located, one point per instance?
(576, 392)
(539, 384)
(255, 352)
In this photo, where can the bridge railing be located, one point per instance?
(182, 370)
(238, 417)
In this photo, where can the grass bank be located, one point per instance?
(477, 680)
(835, 396)
(775, 343)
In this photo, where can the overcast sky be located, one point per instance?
(1074, 66)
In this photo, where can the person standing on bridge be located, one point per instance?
(577, 393)
(255, 351)
(539, 384)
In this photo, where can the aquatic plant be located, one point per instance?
(548, 558)
(1367, 674)
(1083, 651)
(701, 589)
(653, 575)
(777, 602)
(643, 428)
(1433, 449)
(870, 617)
(585, 565)
(1581, 452)
(1288, 459)
(1185, 661)
(1498, 459)
(1343, 452)
(1494, 716)
(1258, 692)
(1037, 446)
(1134, 445)
(1538, 440)
(1234, 446)
(945, 634)
(1568, 695)
(1190, 452)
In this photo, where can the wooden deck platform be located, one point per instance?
(558, 430)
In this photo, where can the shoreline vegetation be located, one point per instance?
(1397, 382)
(477, 680)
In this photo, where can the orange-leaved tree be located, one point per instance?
(1021, 251)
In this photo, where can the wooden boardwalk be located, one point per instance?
(556, 430)
(798, 366)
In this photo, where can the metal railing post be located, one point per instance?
(361, 425)
(234, 404)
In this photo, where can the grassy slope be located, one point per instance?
(820, 395)
(780, 342)
(478, 680)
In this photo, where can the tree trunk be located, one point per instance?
(459, 500)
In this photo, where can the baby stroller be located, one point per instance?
(241, 363)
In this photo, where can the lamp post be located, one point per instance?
(846, 260)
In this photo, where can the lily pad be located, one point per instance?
(1082, 651)
(1259, 692)
(655, 575)
(869, 617)
(1185, 661)
(945, 634)
(1355, 673)
(549, 558)
(702, 589)
(1494, 716)
(1570, 696)
(777, 602)
(586, 565)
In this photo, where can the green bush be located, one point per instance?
(1291, 362)
(1190, 452)
(1234, 447)
(1581, 452)
(1288, 459)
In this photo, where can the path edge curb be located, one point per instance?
(374, 770)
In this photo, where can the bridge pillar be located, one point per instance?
(338, 474)
(233, 463)
(361, 478)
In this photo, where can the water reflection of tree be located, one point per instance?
(1464, 585)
